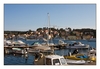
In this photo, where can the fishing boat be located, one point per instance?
(50, 60)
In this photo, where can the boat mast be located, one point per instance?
(48, 27)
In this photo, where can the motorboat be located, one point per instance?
(36, 44)
(37, 47)
(77, 45)
(60, 42)
(47, 44)
(7, 43)
(18, 43)
(50, 60)
(19, 51)
(92, 55)
(93, 58)
(14, 43)
(53, 59)
(77, 57)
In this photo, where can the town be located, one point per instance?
(40, 33)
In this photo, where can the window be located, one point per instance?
(56, 62)
(63, 61)
(48, 61)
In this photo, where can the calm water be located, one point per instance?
(28, 59)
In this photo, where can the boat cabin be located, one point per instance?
(52, 60)
(55, 60)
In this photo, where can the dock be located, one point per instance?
(55, 46)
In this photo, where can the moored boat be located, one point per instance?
(77, 45)
(77, 57)
(50, 60)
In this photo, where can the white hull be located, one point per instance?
(75, 62)
(77, 46)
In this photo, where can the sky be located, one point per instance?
(23, 17)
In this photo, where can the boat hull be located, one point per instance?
(75, 62)
(77, 57)
(77, 46)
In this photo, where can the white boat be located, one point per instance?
(7, 43)
(18, 43)
(77, 45)
(36, 44)
(60, 42)
(92, 54)
(55, 60)
(39, 47)
(92, 51)
(47, 44)
(19, 51)
(50, 60)
(75, 62)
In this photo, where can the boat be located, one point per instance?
(50, 60)
(92, 40)
(18, 43)
(32, 38)
(53, 59)
(37, 47)
(92, 55)
(77, 45)
(36, 44)
(19, 51)
(61, 42)
(76, 57)
(75, 62)
(7, 43)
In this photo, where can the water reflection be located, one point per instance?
(17, 59)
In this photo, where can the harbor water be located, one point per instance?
(15, 59)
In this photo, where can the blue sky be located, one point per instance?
(22, 17)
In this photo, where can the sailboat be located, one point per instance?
(49, 58)
(49, 37)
